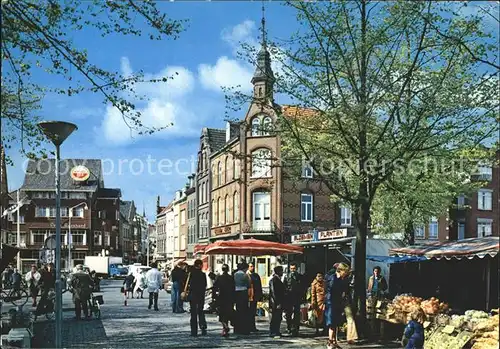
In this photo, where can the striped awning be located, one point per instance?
(467, 248)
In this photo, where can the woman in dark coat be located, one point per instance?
(336, 290)
(223, 294)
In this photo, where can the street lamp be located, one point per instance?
(70, 237)
(57, 132)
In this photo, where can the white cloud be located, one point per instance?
(231, 72)
(166, 103)
(225, 73)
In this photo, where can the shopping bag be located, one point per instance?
(312, 319)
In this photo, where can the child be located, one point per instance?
(414, 331)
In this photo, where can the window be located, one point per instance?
(52, 211)
(226, 169)
(41, 211)
(219, 173)
(227, 217)
(307, 171)
(433, 228)
(219, 220)
(261, 163)
(484, 199)
(78, 212)
(461, 201)
(64, 211)
(267, 124)
(236, 168)
(97, 238)
(419, 232)
(214, 213)
(21, 218)
(107, 238)
(484, 227)
(77, 196)
(38, 237)
(176, 221)
(485, 172)
(461, 230)
(345, 216)
(306, 208)
(261, 210)
(183, 217)
(256, 127)
(236, 207)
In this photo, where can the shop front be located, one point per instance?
(322, 249)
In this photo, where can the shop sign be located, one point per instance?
(332, 234)
(76, 226)
(302, 237)
(80, 173)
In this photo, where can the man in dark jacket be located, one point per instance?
(16, 280)
(197, 287)
(81, 283)
(178, 279)
(255, 295)
(47, 282)
(223, 296)
(276, 299)
(294, 293)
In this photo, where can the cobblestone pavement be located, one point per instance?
(134, 326)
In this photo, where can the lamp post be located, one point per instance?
(57, 132)
(70, 237)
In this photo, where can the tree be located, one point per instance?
(379, 86)
(36, 38)
(409, 200)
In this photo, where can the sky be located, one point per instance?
(204, 57)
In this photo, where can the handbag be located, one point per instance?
(185, 293)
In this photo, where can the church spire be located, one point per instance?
(263, 78)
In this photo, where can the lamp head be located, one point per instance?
(57, 131)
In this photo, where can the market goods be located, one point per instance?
(434, 306)
(441, 340)
(406, 303)
(486, 343)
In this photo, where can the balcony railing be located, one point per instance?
(262, 227)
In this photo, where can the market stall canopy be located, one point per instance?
(8, 255)
(467, 248)
(251, 247)
(393, 259)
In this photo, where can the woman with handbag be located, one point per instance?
(318, 301)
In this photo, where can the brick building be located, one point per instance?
(89, 211)
(472, 215)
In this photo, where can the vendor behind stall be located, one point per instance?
(377, 287)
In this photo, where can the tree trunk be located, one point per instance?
(409, 238)
(363, 214)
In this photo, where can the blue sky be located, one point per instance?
(205, 58)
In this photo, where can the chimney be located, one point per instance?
(228, 131)
(178, 194)
(191, 180)
(158, 210)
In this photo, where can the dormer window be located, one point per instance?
(261, 126)
(307, 171)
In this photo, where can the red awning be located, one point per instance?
(467, 248)
(251, 247)
(199, 249)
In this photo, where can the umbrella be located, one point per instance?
(8, 255)
(251, 247)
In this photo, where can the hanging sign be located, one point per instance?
(80, 173)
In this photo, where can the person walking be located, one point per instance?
(276, 301)
(352, 332)
(318, 289)
(294, 293)
(223, 296)
(32, 279)
(196, 287)
(242, 284)
(336, 289)
(82, 288)
(128, 287)
(255, 295)
(140, 283)
(15, 280)
(178, 279)
(47, 283)
(154, 281)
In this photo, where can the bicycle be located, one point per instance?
(47, 308)
(16, 296)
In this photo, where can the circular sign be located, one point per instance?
(80, 173)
